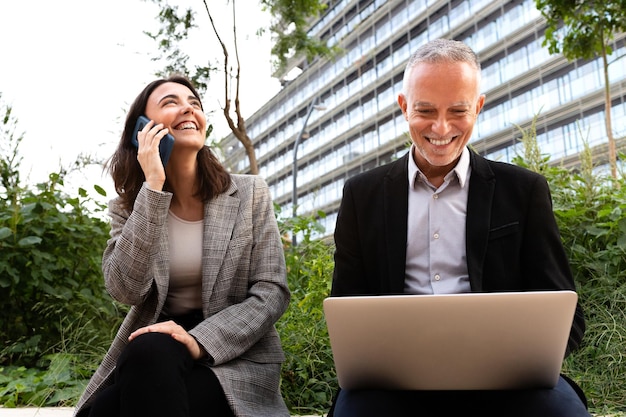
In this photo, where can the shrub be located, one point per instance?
(308, 375)
(591, 212)
(50, 256)
(590, 208)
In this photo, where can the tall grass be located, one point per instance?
(590, 208)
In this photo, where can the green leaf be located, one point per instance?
(5, 232)
(29, 241)
(100, 190)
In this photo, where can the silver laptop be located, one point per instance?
(476, 341)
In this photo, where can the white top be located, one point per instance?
(185, 289)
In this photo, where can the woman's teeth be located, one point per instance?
(185, 126)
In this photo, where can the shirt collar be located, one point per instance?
(461, 170)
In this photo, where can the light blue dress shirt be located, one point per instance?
(435, 254)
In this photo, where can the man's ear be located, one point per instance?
(480, 103)
(403, 105)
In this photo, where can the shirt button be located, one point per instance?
(437, 277)
(436, 235)
(435, 196)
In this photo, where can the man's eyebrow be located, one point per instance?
(428, 104)
(423, 103)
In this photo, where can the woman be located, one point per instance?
(197, 255)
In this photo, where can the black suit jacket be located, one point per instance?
(512, 239)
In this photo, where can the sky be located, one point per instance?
(71, 68)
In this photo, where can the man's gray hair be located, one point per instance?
(438, 51)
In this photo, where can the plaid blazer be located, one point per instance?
(244, 289)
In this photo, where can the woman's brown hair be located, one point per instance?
(128, 177)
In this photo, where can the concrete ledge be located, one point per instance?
(67, 412)
(45, 412)
(36, 412)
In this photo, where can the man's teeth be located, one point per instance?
(440, 142)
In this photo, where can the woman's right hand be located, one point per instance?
(175, 331)
(148, 154)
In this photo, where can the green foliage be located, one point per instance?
(174, 30)
(591, 212)
(289, 28)
(592, 217)
(308, 375)
(59, 384)
(50, 257)
(50, 252)
(585, 29)
(588, 26)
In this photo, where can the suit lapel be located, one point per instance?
(482, 185)
(220, 215)
(396, 200)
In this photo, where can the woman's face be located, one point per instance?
(175, 106)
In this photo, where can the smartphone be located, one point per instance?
(165, 146)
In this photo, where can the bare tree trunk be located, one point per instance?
(607, 115)
(239, 129)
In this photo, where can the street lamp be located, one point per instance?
(294, 193)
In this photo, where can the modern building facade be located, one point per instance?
(343, 116)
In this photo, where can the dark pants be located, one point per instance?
(561, 401)
(156, 376)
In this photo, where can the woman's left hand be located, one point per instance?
(177, 332)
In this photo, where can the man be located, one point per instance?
(442, 219)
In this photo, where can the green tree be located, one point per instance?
(174, 30)
(288, 30)
(584, 29)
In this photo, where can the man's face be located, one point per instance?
(441, 105)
